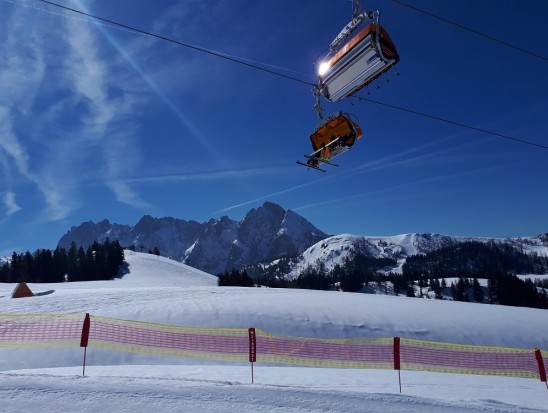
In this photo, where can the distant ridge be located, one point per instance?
(333, 250)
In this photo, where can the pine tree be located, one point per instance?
(410, 292)
(60, 264)
(5, 273)
(477, 291)
(351, 282)
(236, 278)
(72, 263)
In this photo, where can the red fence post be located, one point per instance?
(84, 340)
(397, 364)
(252, 350)
(541, 369)
(85, 332)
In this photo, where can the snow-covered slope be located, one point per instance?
(160, 290)
(146, 270)
(333, 250)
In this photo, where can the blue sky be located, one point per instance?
(99, 122)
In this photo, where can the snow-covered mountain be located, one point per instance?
(333, 250)
(265, 234)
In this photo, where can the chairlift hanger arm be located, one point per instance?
(356, 21)
(318, 105)
(357, 8)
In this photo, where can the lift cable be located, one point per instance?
(460, 26)
(157, 36)
(272, 72)
(463, 125)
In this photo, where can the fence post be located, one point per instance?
(252, 350)
(84, 340)
(397, 364)
(541, 369)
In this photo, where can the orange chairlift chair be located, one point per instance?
(333, 136)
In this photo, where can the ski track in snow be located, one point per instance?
(131, 391)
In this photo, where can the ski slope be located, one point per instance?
(157, 289)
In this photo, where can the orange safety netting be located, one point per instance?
(230, 344)
(242, 344)
(467, 359)
(40, 330)
(370, 353)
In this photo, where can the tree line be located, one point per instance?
(473, 259)
(466, 262)
(100, 261)
(355, 271)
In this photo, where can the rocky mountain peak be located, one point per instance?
(265, 233)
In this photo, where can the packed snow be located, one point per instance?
(157, 289)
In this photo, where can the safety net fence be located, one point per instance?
(254, 345)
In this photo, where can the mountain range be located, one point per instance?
(264, 236)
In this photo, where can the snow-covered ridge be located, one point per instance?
(333, 250)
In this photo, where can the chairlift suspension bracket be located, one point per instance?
(357, 20)
(357, 6)
(318, 105)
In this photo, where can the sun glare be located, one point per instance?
(324, 67)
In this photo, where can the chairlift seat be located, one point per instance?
(338, 133)
(360, 60)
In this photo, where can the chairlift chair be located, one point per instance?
(355, 60)
(338, 133)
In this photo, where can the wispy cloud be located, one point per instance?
(21, 72)
(219, 175)
(9, 143)
(420, 155)
(79, 102)
(269, 196)
(108, 119)
(18, 156)
(10, 203)
(390, 189)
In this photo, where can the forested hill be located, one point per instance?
(474, 259)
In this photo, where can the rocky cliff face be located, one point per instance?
(265, 234)
(270, 232)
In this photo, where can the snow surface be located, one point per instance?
(160, 290)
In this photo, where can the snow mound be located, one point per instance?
(146, 270)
